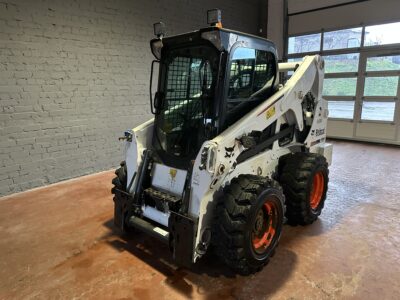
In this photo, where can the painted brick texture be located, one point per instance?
(74, 75)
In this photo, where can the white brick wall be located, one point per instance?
(74, 75)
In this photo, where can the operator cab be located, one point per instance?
(208, 79)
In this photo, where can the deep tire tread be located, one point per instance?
(296, 171)
(231, 215)
(120, 182)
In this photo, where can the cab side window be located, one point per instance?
(264, 71)
(250, 71)
(241, 73)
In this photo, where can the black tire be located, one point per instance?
(237, 222)
(304, 178)
(120, 182)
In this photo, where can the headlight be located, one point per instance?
(208, 158)
(159, 29)
(211, 159)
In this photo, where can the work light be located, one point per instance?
(214, 17)
(159, 29)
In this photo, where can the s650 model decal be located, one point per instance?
(276, 100)
(270, 112)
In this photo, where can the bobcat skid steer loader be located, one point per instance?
(231, 153)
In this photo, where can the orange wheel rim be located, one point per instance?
(264, 227)
(317, 190)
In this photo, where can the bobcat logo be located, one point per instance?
(319, 132)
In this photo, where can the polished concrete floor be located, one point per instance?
(58, 242)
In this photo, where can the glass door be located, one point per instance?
(340, 87)
(376, 115)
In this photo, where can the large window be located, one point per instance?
(341, 39)
(341, 109)
(382, 34)
(304, 43)
(360, 83)
(251, 70)
(340, 87)
(341, 63)
(378, 111)
(381, 86)
(252, 76)
(383, 63)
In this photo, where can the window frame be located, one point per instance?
(340, 50)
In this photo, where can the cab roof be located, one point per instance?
(227, 39)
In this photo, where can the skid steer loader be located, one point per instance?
(231, 154)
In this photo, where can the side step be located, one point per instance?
(149, 229)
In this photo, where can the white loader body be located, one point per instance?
(216, 164)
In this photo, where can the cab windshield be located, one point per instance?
(188, 80)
